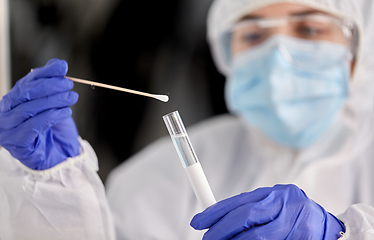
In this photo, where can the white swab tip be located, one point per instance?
(163, 98)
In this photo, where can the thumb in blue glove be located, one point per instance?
(36, 126)
(280, 212)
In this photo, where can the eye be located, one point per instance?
(309, 31)
(252, 38)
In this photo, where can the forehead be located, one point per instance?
(280, 10)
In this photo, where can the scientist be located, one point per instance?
(300, 90)
(294, 160)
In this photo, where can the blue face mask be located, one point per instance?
(290, 89)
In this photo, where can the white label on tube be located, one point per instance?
(200, 185)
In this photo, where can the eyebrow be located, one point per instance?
(304, 13)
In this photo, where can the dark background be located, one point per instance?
(151, 46)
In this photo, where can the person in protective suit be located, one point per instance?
(292, 160)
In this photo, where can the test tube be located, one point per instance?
(189, 159)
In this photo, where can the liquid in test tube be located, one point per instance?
(189, 159)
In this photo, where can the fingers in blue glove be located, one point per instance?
(41, 82)
(283, 225)
(246, 215)
(22, 112)
(29, 130)
(280, 212)
(53, 68)
(53, 60)
(308, 229)
(36, 126)
(214, 213)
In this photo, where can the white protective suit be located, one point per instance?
(150, 196)
(336, 172)
(65, 202)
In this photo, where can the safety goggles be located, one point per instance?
(250, 33)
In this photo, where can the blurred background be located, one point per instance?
(151, 46)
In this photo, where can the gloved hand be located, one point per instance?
(280, 212)
(36, 126)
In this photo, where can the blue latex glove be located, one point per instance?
(280, 212)
(36, 126)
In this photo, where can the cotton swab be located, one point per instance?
(163, 98)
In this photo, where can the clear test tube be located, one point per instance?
(189, 159)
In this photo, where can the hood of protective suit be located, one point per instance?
(223, 13)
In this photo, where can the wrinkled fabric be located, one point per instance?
(336, 171)
(65, 202)
(152, 186)
(362, 227)
(150, 196)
